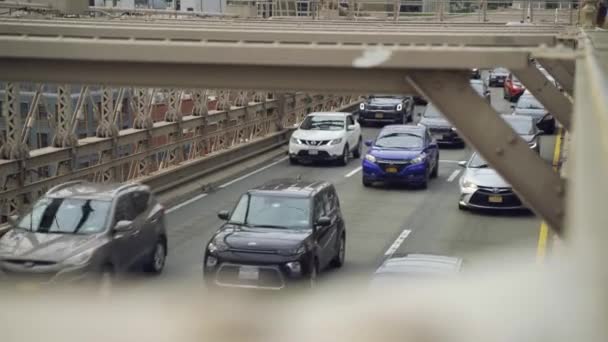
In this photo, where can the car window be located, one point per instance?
(399, 140)
(323, 123)
(319, 207)
(125, 210)
(140, 201)
(350, 120)
(271, 210)
(66, 216)
(477, 161)
(529, 102)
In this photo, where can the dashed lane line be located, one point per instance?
(183, 204)
(395, 246)
(453, 175)
(353, 172)
(252, 173)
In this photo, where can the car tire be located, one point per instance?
(157, 259)
(425, 183)
(435, 171)
(293, 161)
(357, 151)
(366, 182)
(338, 260)
(344, 157)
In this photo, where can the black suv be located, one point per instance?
(280, 232)
(387, 109)
(81, 231)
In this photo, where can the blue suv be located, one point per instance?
(401, 154)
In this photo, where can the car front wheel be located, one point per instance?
(156, 261)
(344, 157)
(357, 151)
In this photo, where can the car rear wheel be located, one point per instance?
(435, 170)
(344, 157)
(338, 260)
(357, 151)
(156, 261)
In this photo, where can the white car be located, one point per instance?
(327, 136)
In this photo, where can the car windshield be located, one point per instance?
(272, 211)
(432, 112)
(501, 71)
(477, 162)
(66, 216)
(399, 140)
(529, 102)
(323, 123)
(522, 127)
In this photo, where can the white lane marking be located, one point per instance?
(253, 173)
(449, 161)
(353, 172)
(395, 246)
(453, 175)
(183, 204)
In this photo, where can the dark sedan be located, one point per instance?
(441, 129)
(283, 232)
(387, 109)
(497, 77)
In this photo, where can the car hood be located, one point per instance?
(384, 102)
(317, 135)
(486, 177)
(435, 122)
(499, 73)
(22, 244)
(262, 238)
(393, 153)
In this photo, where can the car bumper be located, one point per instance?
(411, 174)
(316, 153)
(481, 200)
(271, 274)
(446, 137)
(380, 116)
(43, 278)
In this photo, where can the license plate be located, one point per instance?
(438, 136)
(313, 152)
(391, 169)
(379, 115)
(249, 273)
(27, 287)
(495, 199)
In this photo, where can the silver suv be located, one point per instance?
(85, 231)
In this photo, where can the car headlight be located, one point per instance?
(335, 141)
(217, 245)
(399, 106)
(370, 158)
(362, 106)
(80, 258)
(467, 184)
(293, 251)
(453, 129)
(294, 266)
(295, 141)
(419, 159)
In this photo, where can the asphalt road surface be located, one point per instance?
(428, 221)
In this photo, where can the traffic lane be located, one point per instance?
(191, 226)
(376, 216)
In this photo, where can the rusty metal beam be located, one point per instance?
(497, 142)
(547, 93)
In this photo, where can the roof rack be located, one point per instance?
(65, 185)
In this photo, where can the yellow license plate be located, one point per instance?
(391, 169)
(495, 199)
(379, 115)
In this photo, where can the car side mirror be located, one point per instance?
(323, 221)
(462, 163)
(351, 127)
(123, 226)
(224, 215)
(368, 143)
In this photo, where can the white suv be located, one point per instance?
(326, 137)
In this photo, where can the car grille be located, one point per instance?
(315, 142)
(270, 277)
(29, 263)
(372, 107)
(399, 164)
(320, 154)
(482, 195)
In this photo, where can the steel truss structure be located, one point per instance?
(312, 56)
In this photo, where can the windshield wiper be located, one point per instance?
(267, 226)
(480, 166)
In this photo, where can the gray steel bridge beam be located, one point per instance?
(547, 93)
(496, 141)
(563, 71)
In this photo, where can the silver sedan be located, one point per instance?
(481, 187)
